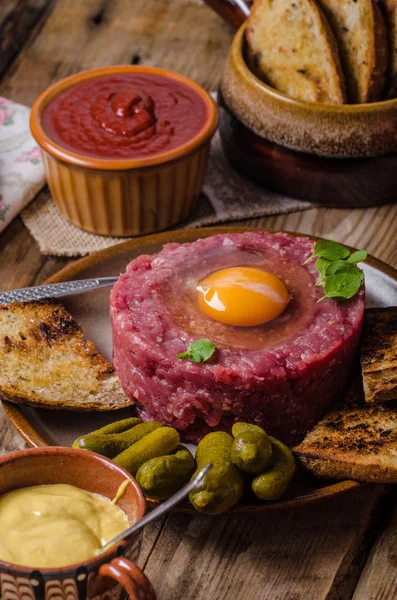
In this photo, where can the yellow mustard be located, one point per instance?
(58, 525)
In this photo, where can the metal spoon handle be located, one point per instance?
(56, 290)
(161, 509)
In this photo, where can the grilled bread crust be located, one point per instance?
(362, 38)
(290, 46)
(353, 441)
(45, 361)
(379, 355)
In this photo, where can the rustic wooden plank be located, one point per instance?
(379, 578)
(371, 228)
(286, 556)
(296, 555)
(50, 266)
(79, 35)
(20, 257)
(17, 20)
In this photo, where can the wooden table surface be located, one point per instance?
(345, 548)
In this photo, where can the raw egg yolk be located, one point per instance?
(242, 296)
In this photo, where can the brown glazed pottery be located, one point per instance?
(102, 577)
(338, 155)
(125, 197)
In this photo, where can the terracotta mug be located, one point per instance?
(100, 578)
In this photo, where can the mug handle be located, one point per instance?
(233, 12)
(135, 583)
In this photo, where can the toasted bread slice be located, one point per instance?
(353, 441)
(46, 363)
(379, 354)
(361, 34)
(390, 11)
(290, 45)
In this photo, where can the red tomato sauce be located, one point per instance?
(124, 116)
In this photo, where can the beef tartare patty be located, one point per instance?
(282, 375)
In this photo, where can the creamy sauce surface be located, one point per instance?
(49, 526)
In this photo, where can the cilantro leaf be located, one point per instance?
(342, 285)
(330, 250)
(199, 351)
(358, 256)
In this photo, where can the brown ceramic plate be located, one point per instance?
(40, 427)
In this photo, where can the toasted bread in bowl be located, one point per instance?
(362, 39)
(328, 130)
(292, 47)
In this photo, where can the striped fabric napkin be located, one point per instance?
(21, 169)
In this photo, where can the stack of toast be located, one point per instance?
(358, 438)
(327, 51)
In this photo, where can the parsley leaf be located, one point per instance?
(339, 274)
(342, 285)
(330, 250)
(321, 265)
(341, 266)
(199, 351)
(358, 256)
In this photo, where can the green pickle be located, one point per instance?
(223, 485)
(272, 484)
(117, 426)
(162, 476)
(251, 451)
(159, 442)
(239, 428)
(117, 437)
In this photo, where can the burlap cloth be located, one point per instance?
(227, 197)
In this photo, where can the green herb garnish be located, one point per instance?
(358, 256)
(339, 274)
(199, 351)
(343, 266)
(321, 266)
(330, 250)
(342, 285)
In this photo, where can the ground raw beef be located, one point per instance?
(282, 375)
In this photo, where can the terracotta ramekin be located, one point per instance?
(105, 575)
(120, 197)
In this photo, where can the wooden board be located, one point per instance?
(300, 557)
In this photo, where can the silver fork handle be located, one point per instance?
(56, 290)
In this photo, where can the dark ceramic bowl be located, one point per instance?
(337, 155)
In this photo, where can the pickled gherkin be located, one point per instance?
(159, 442)
(223, 485)
(272, 484)
(162, 476)
(113, 439)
